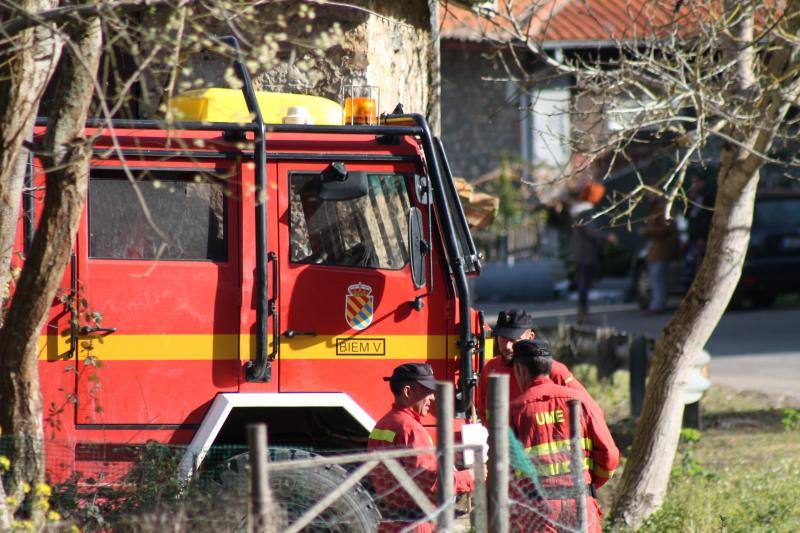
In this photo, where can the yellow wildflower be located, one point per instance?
(43, 490)
(41, 505)
(23, 525)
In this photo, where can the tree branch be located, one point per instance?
(26, 20)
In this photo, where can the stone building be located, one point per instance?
(314, 49)
(497, 106)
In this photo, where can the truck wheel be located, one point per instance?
(297, 491)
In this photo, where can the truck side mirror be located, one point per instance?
(422, 189)
(337, 184)
(418, 247)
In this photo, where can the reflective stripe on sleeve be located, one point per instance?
(599, 472)
(570, 378)
(386, 435)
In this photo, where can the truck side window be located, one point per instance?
(188, 207)
(368, 232)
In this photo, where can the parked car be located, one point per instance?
(520, 281)
(771, 264)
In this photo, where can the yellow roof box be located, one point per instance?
(228, 105)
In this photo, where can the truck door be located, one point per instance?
(159, 271)
(349, 310)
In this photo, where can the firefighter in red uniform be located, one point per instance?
(539, 417)
(514, 325)
(412, 385)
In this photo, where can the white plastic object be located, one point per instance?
(475, 434)
(297, 115)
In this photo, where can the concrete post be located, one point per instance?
(479, 504)
(498, 454)
(638, 368)
(259, 491)
(445, 456)
(576, 463)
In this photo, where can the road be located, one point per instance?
(756, 350)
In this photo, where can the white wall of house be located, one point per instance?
(545, 128)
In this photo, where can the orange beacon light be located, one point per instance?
(360, 110)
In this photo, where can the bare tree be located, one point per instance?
(124, 58)
(692, 76)
(67, 155)
(27, 61)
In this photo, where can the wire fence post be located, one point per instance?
(478, 517)
(260, 498)
(576, 462)
(444, 420)
(498, 453)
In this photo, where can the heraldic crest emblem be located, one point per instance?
(358, 306)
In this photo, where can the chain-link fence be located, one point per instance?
(535, 505)
(141, 487)
(136, 488)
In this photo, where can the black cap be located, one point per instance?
(512, 323)
(525, 349)
(421, 373)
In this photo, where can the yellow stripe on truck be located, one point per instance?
(121, 347)
(118, 347)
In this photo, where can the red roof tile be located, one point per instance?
(561, 21)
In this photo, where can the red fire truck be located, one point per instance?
(226, 273)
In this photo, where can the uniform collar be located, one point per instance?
(541, 380)
(407, 410)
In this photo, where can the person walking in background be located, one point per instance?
(664, 247)
(540, 419)
(588, 244)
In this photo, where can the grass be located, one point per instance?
(741, 473)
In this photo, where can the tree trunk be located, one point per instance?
(646, 475)
(66, 156)
(26, 64)
(5, 512)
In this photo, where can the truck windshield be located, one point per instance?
(367, 232)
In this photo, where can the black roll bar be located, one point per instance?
(29, 213)
(474, 258)
(236, 127)
(261, 368)
(466, 344)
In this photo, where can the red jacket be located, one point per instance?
(401, 428)
(559, 373)
(540, 419)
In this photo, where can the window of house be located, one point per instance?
(188, 216)
(369, 232)
(546, 127)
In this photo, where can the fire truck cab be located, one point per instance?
(232, 272)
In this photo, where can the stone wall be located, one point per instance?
(383, 43)
(480, 118)
(398, 54)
